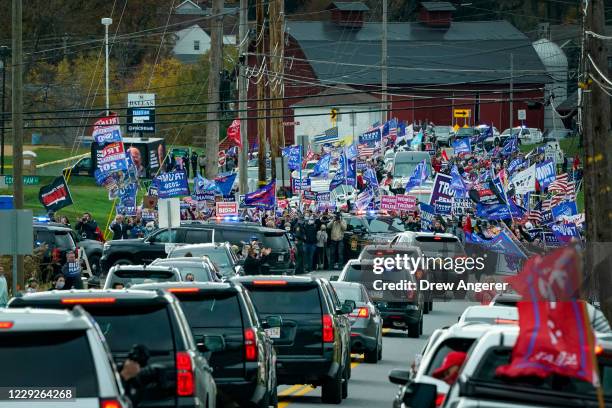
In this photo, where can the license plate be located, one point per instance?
(281, 258)
(376, 294)
(273, 333)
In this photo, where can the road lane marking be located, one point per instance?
(290, 390)
(386, 330)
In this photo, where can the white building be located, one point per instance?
(352, 120)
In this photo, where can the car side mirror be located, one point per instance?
(348, 306)
(271, 322)
(150, 240)
(399, 377)
(211, 343)
(238, 269)
(333, 278)
(420, 395)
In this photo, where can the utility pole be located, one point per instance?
(384, 64)
(17, 116)
(273, 81)
(243, 32)
(597, 161)
(511, 91)
(261, 92)
(4, 52)
(106, 22)
(212, 126)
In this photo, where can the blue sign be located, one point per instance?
(300, 184)
(443, 207)
(565, 232)
(428, 215)
(547, 217)
(172, 184)
(294, 157)
(442, 190)
(371, 138)
(462, 146)
(545, 173)
(567, 209)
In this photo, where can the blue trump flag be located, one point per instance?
(369, 177)
(265, 197)
(462, 145)
(294, 156)
(225, 182)
(511, 146)
(457, 183)
(483, 135)
(352, 151)
(171, 184)
(500, 243)
(545, 173)
(419, 175)
(428, 215)
(416, 141)
(322, 166)
(351, 172)
(515, 165)
(340, 176)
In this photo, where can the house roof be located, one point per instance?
(330, 97)
(467, 51)
(349, 6)
(437, 6)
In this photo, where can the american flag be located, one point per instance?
(393, 129)
(535, 216)
(309, 156)
(365, 150)
(562, 189)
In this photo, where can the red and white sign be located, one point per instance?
(388, 202)
(282, 203)
(405, 202)
(227, 208)
(222, 157)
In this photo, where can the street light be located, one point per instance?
(4, 52)
(106, 22)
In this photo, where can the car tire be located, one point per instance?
(94, 263)
(380, 352)
(371, 356)
(123, 261)
(413, 330)
(331, 391)
(345, 382)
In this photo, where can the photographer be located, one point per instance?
(254, 264)
(86, 226)
(137, 377)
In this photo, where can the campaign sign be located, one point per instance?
(321, 197)
(545, 173)
(565, 209)
(326, 205)
(370, 138)
(405, 202)
(565, 232)
(310, 195)
(547, 217)
(300, 184)
(427, 217)
(172, 184)
(443, 206)
(226, 208)
(550, 240)
(388, 202)
(461, 206)
(111, 158)
(107, 130)
(442, 190)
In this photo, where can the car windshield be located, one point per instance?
(63, 240)
(218, 255)
(440, 245)
(48, 359)
(348, 293)
(441, 130)
(286, 299)
(123, 327)
(212, 310)
(376, 225)
(200, 271)
(275, 241)
(468, 131)
(128, 278)
(406, 169)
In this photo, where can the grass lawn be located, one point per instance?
(568, 145)
(46, 154)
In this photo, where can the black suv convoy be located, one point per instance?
(313, 343)
(244, 365)
(153, 319)
(160, 242)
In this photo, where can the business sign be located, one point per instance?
(141, 112)
(226, 208)
(462, 113)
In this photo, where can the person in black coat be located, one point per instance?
(254, 264)
(86, 226)
(120, 228)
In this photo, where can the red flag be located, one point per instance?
(233, 133)
(555, 332)
(444, 155)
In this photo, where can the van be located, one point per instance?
(404, 164)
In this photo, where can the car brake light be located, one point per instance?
(183, 290)
(70, 301)
(598, 349)
(6, 325)
(250, 345)
(270, 282)
(362, 312)
(110, 403)
(440, 399)
(328, 329)
(506, 321)
(437, 238)
(184, 374)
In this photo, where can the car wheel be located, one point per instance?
(380, 348)
(371, 356)
(123, 261)
(94, 262)
(413, 330)
(331, 391)
(345, 382)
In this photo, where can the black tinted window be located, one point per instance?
(235, 237)
(48, 359)
(221, 310)
(198, 236)
(275, 241)
(128, 278)
(440, 244)
(124, 327)
(63, 240)
(296, 299)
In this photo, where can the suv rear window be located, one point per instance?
(125, 326)
(212, 310)
(288, 299)
(136, 277)
(349, 293)
(275, 241)
(63, 240)
(440, 244)
(48, 359)
(455, 344)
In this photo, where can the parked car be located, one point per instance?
(227, 329)
(443, 134)
(128, 275)
(366, 321)
(525, 135)
(313, 344)
(152, 320)
(58, 349)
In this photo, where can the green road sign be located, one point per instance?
(7, 180)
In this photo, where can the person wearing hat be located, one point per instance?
(449, 370)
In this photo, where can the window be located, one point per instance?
(196, 45)
(198, 236)
(297, 299)
(165, 236)
(222, 310)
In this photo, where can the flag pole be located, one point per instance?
(301, 181)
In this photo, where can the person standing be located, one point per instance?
(321, 243)
(202, 163)
(86, 226)
(119, 228)
(72, 272)
(194, 162)
(336, 230)
(4, 298)
(310, 234)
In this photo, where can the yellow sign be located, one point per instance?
(333, 114)
(462, 113)
(456, 127)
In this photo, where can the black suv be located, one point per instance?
(153, 319)
(145, 250)
(368, 229)
(313, 343)
(244, 366)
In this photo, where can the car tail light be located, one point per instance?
(71, 301)
(6, 325)
(292, 254)
(269, 282)
(183, 290)
(361, 312)
(185, 382)
(110, 403)
(250, 345)
(598, 349)
(328, 329)
(440, 399)
(437, 239)
(506, 321)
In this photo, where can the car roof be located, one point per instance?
(143, 268)
(346, 284)
(488, 312)
(119, 294)
(428, 234)
(212, 286)
(288, 279)
(251, 226)
(179, 259)
(29, 319)
(467, 330)
(213, 245)
(51, 225)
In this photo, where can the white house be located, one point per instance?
(351, 120)
(190, 43)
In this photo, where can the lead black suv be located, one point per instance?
(153, 319)
(245, 366)
(313, 343)
(145, 250)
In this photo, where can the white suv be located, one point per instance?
(59, 350)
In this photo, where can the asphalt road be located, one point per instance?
(369, 385)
